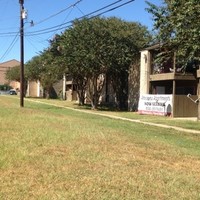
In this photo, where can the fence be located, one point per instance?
(184, 107)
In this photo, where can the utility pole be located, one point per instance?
(22, 17)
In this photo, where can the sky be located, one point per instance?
(51, 17)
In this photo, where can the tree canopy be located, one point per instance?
(13, 74)
(90, 51)
(45, 69)
(178, 27)
(99, 47)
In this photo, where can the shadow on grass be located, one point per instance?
(102, 107)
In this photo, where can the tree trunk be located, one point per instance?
(198, 104)
(48, 92)
(81, 89)
(122, 91)
(81, 96)
(95, 95)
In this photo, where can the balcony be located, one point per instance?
(172, 76)
(167, 72)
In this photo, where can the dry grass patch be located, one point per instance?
(60, 154)
(103, 168)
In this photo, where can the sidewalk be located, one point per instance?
(123, 118)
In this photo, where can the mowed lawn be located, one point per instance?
(47, 152)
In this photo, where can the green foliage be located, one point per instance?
(178, 27)
(5, 87)
(100, 46)
(91, 50)
(33, 68)
(45, 69)
(13, 74)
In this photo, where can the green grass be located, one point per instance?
(191, 123)
(48, 152)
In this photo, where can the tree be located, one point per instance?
(33, 68)
(99, 47)
(45, 69)
(83, 46)
(129, 39)
(13, 74)
(178, 28)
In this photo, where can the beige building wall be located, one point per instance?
(133, 86)
(34, 89)
(144, 72)
(15, 85)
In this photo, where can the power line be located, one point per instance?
(71, 21)
(114, 8)
(10, 46)
(28, 39)
(63, 22)
(6, 34)
(63, 10)
(62, 26)
(80, 10)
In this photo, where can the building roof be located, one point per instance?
(153, 47)
(4, 67)
(10, 63)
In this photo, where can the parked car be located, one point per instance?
(12, 92)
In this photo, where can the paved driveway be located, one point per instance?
(3, 92)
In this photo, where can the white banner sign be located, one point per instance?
(155, 104)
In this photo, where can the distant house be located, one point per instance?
(35, 89)
(67, 89)
(5, 66)
(64, 89)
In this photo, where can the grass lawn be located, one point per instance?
(192, 123)
(47, 152)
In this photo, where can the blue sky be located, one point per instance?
(48, 15)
